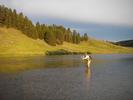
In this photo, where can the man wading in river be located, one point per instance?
(88, 59)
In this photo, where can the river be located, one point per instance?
(65, 77)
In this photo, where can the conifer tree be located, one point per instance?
(85, 37)
(52, 34)
(50, 38)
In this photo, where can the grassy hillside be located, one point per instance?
(13, 42)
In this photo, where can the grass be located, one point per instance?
(13, 42)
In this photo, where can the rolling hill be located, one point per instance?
(14, 42)
(126, 43)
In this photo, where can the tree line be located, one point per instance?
(52, 34)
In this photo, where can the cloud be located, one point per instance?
(117, 12)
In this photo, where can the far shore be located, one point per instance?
(51, 53)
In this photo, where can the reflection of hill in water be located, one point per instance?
(12, 64)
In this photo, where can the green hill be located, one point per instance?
(13, 42)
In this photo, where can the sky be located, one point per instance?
(102, 19)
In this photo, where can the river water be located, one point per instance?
(65, 77)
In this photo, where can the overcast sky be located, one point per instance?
(111, 12)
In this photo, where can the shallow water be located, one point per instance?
(66, 78)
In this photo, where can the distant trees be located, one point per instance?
(10, 18)
(2, 15)
(78, 38)
(84, 37)
(52, 34)
(39, 29)
(68, 35)
(50, 38)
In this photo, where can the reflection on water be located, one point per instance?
(88, 73)
(110, 77)
(15, 64)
